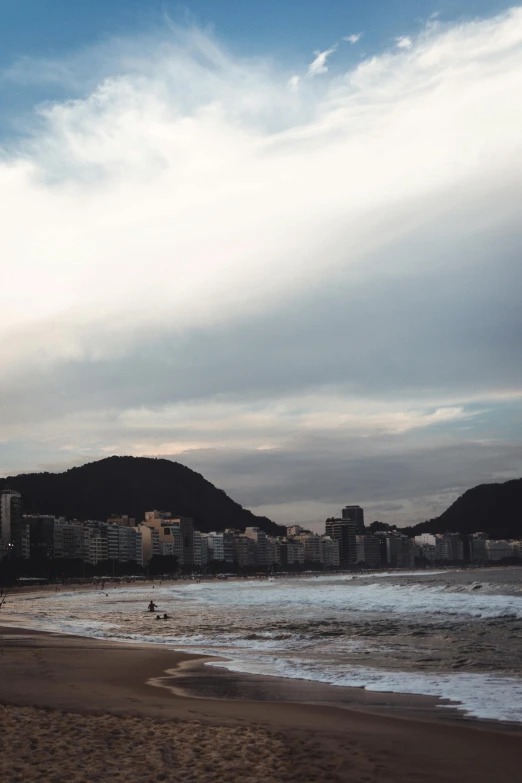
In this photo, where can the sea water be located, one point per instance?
(452, 634)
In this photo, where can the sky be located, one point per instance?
(277, 242)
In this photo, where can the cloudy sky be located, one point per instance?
(277, 242)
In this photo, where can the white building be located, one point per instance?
(215, 547)
(425, 539)
(330, 552)
(96, 544)
(124, 544)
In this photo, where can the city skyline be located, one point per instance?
(39, 546)
(300, 277)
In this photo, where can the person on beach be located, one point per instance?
(152, 606)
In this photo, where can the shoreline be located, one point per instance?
(94, 584)
(232, 676)
(86, 677)
(187, 679)
(191, 678)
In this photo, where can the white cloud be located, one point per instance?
(149, 209)
(117, 186)
(353, 38)
(318, 66)
(294, 82)
(404, 42)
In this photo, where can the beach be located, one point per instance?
(77, 709)
(452, 635)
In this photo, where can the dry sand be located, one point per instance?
(78, 710)
(55, 746)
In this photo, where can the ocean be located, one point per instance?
(452, 634)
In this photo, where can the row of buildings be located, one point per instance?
(474, 548)
(345, 543)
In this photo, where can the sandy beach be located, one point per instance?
(76, 709)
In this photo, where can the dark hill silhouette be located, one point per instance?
(490, 508)
(133, 485)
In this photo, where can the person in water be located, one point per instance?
(165, 617)
(152, 606)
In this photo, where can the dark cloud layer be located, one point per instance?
(395, 485)
(454, 330)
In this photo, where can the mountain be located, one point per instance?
(133, 485)
(490, 508)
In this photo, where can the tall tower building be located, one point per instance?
(354, 514)
(15, 536)
(10, 514)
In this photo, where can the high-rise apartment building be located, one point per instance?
(150, 543)
(477, 548)
(22, 541)
(15, 534)
(398, 550)
(229, 537)
(499, 550)
(449, 546)
(215, 547)
(41, 535)
(344, 532)
(274, 551)
(330, 552)
(200, 549)
(96, 544)
(186, 526)
(354, 514)
(290, 551)
(312, 544)
(124, 544)
(71, 540)
(244, 550)
(295, 552)
(260, 538)
(369, 551)
(176, 536)
(10, 514)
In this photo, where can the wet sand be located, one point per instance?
(78, 709)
